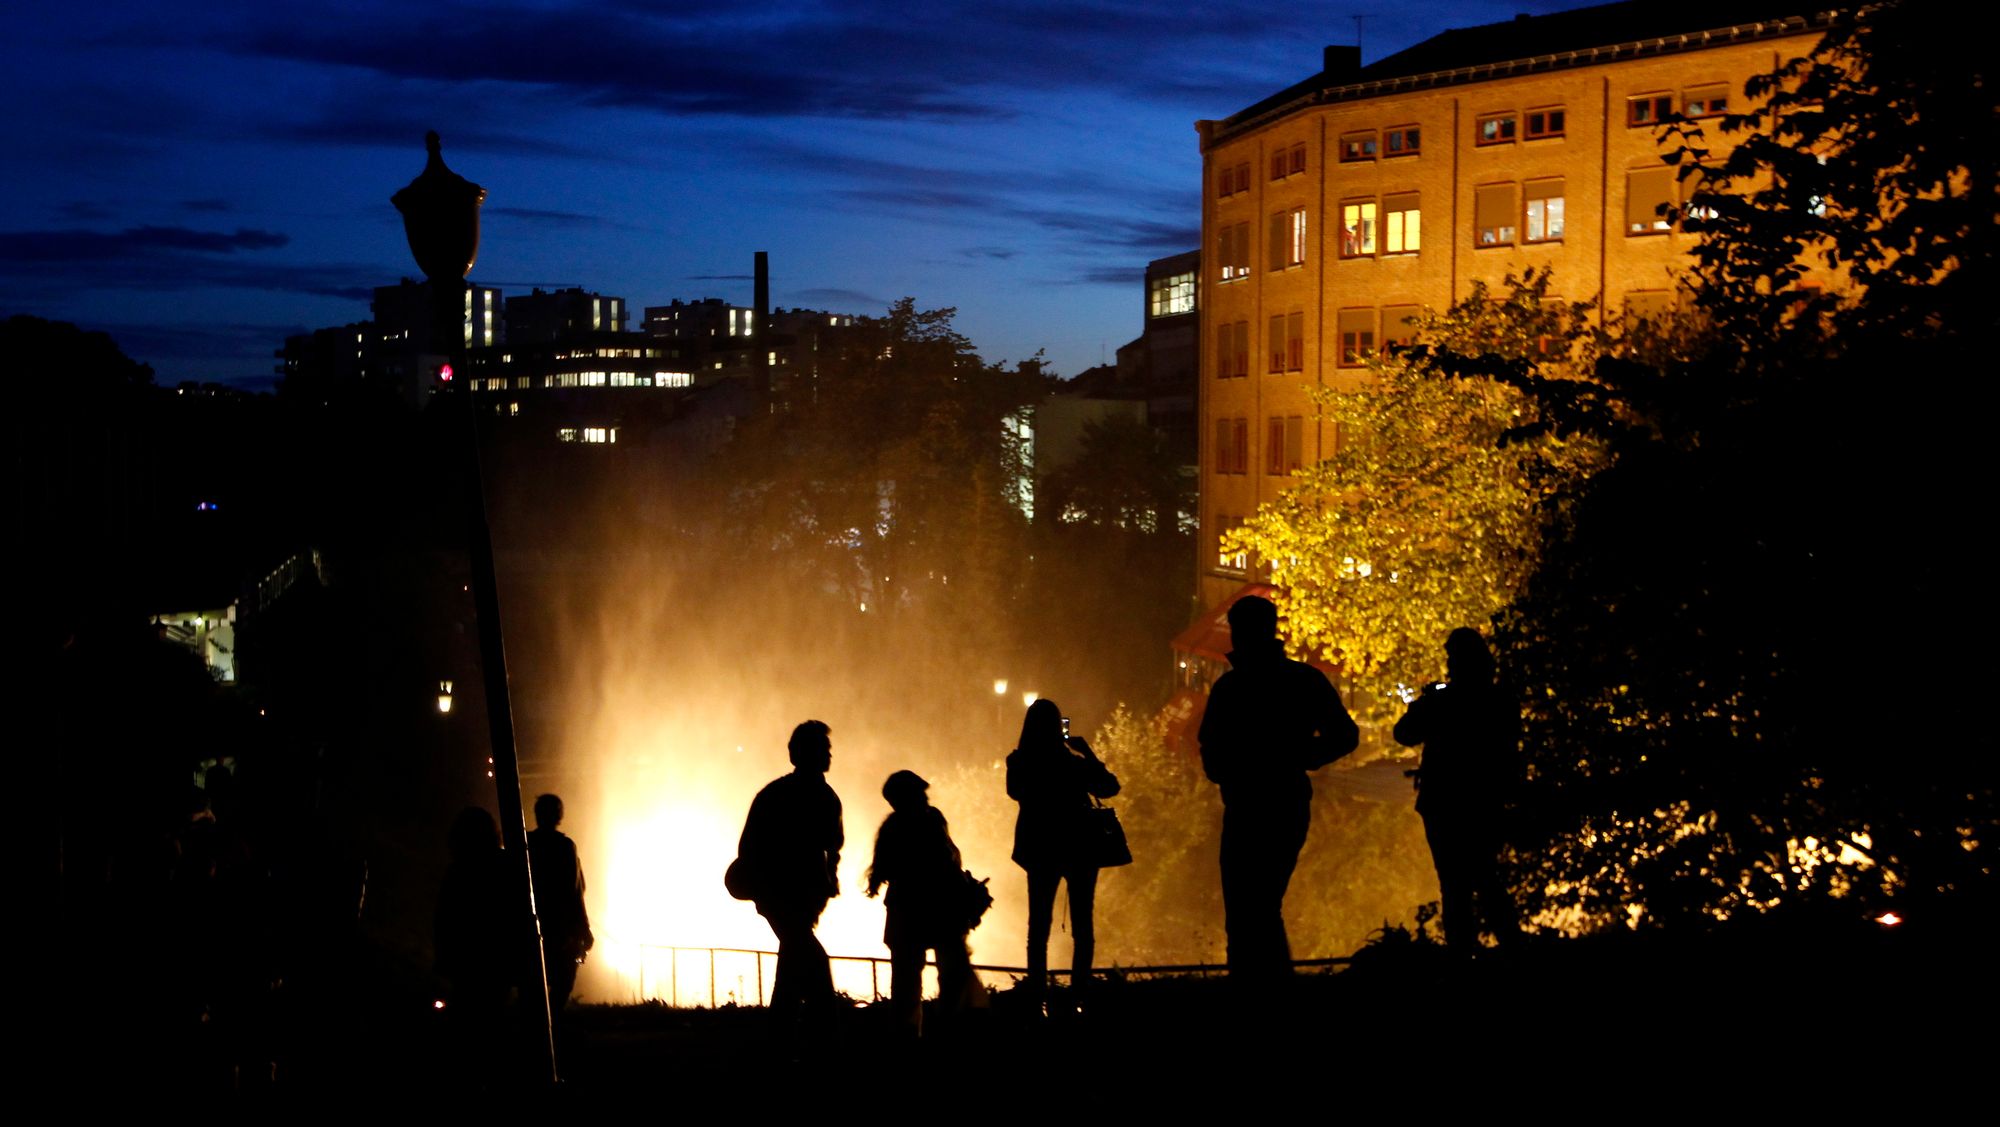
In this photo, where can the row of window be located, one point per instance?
(590, 379)
(1499, 128)
(1284, 447)
(1711, 100)
(1538, 218)
(1533, 211)
(1396, 141)
(1285, 337)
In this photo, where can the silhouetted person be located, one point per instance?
(471, 943)
(1053, 777)
(565, 924)
(791, 846)
(1269, 721)
(1470, 732)
(915, 857)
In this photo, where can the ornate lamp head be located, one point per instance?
(441, 219)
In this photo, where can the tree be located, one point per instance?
(893, 485)
(1721, 630)
(1431, 512)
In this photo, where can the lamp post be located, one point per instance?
(999, 698)
(441, 219)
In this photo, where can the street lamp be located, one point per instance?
(999, 695)
(1029, 697)
(440, 212)
(444, 696)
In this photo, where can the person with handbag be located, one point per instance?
(1055, 777)
(788, 861)
(928, 902)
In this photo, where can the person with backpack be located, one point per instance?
(927, 902)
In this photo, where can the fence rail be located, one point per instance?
(719, 964)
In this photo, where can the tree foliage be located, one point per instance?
(1870, 156)
(1745, 641)
(1431, 512)
(891, 481)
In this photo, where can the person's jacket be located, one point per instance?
(1054, 784)
(1470, 735)
(791, 841)
(1269, 720)
(915, 857)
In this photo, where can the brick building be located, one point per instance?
(1337, 208)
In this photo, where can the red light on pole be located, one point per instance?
(444, 372)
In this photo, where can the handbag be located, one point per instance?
(1104, 844)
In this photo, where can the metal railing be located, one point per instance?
(714, 965)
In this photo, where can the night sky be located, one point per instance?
(200, 180)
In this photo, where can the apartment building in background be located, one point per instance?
(1339, 207)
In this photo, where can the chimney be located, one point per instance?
(1340, 64)
(760, 325)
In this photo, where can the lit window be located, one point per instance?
(1402, 224)
(1171, 296)
(1357, 146)
(1544, 210)
(1496, 129)
(1493, 215)
(1402, 141)
(1357, 229)
(566, 434)
(1545, 123)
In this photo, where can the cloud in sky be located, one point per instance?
(986, 156)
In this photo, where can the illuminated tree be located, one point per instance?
(1431, 512)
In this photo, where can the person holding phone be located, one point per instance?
(1054, 775)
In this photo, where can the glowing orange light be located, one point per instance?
(438, 1005)
(1888, 919)
(1000, 687)
(1030, 697)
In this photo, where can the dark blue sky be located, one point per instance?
(200, 179)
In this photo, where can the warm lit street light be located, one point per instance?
(444, 696)
(1030, 697)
